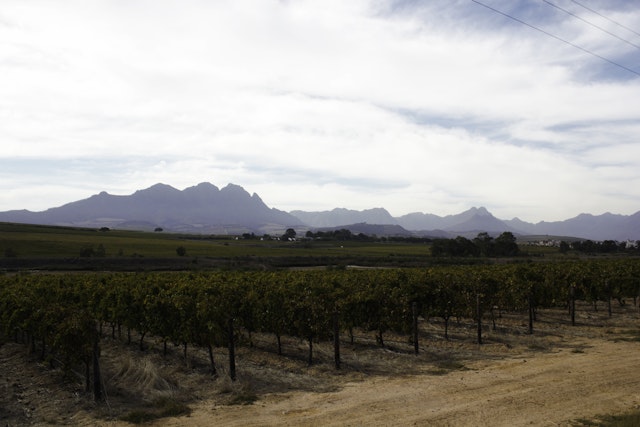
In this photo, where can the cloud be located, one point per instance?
(413, 106)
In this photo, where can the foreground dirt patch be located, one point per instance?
(543, 389)
(555, 377)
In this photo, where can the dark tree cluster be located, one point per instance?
(341, 235)
(344, 234)
(604, 247)
(289, 234)
(481, 246)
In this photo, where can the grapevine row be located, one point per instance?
(65, 315)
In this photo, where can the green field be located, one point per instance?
(21, 241)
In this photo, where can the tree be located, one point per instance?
(181, 251)
(465, 247)
(290, 234)
(505, 245)
(460, 246)
(342, 234)
(484, 243)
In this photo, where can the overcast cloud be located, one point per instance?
(432, 106)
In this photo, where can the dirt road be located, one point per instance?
(594, 378)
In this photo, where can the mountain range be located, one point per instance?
(206, 209)
(203, 208)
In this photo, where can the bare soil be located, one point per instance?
(558, 376)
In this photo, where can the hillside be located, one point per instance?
(206, 209)
(472, 221)
(201, 209)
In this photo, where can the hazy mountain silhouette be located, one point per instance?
(341, 216)
(607, 226)
(202, 208)
(205, 208)
(472, 221)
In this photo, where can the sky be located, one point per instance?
(530, 108)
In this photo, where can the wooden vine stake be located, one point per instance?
(607, 286)
(232, 351)
(336, 338)
(414, 312)
(572, 304)
(530, 301)
(479, 315)
(97, 379)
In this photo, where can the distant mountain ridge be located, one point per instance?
(203, 208)
(206, 209)
(472, 220)
(342, 216)
(475, 220)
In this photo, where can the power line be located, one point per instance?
(608, 19)
(557, 38)
(591, 23)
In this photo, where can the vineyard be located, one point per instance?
(62, 318)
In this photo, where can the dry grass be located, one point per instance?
(142, 386)
(141, 376)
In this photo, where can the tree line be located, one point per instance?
(603, 247)
(483, 245)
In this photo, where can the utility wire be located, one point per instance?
(608, 19)
(558, 38)
(590, 23)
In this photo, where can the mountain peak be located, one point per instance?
(481, 211)
(157, 190)
(233, 188)
(202, 188)
(206, 186)
(342, 216)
